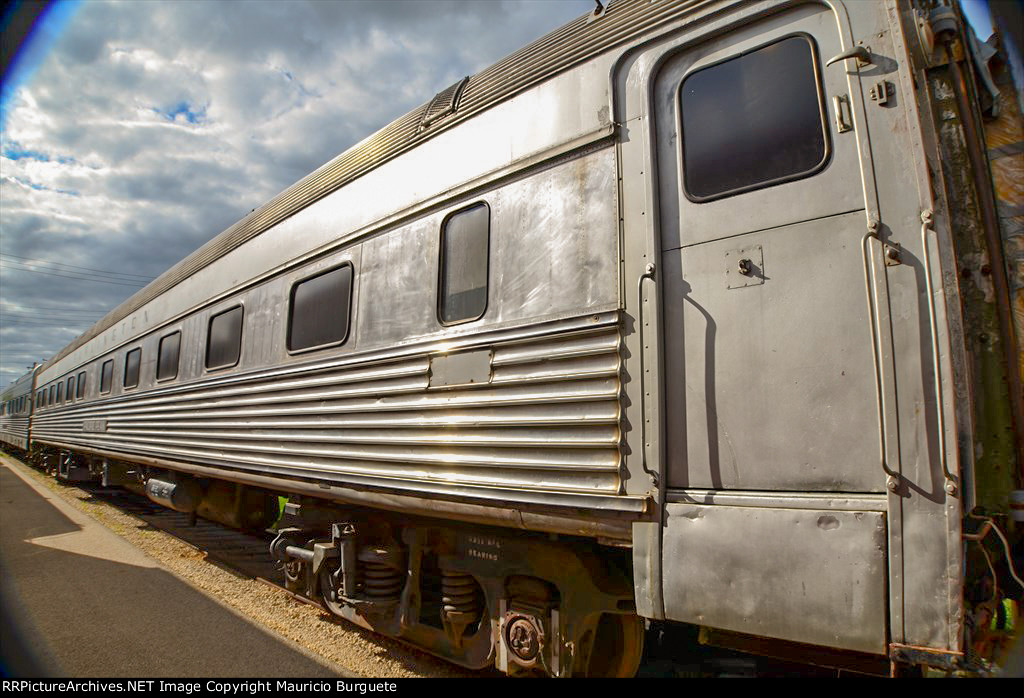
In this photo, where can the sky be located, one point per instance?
(133, 132)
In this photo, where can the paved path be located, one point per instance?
(79, 601)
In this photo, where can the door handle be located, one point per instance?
(862, 54)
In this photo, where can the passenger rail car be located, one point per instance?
(16, 411)
(658, 319)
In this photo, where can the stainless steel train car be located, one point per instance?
(668, 317)
(16, 411)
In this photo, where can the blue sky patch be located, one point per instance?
(13, 151)
(182, 109)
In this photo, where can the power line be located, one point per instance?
(44, 322)
(79, 278)
(48, 318)
(72, 266)
(59, 311)
(38, 311)
(26, 266)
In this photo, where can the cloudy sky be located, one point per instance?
(133, 132)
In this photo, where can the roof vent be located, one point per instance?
(444, 103)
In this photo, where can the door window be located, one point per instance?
(753, 120)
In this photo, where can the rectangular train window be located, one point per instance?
(132, 363)
(71, 388)
(465, 243)
(53, 395)
(224, 340)
(39, 399)
(754, 120)
(167, 357)
(60, 392)
(80, 393)
(106, 376)
(318, 312)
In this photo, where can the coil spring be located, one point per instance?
(460, 593)
(381, 582)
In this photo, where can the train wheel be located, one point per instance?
(618, 648)
(328, 590)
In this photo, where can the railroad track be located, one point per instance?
(243, 552)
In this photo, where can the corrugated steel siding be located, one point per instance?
(14, 430)
(547, 421)
(575, 43)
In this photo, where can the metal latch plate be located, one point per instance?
(750, 259)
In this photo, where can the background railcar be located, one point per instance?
(16, 404)
(690, 349)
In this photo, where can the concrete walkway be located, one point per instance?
(80, 601)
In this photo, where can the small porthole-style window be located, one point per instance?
(80, 390)
(132, 363)
(167, 357)
(318, 310)
(465, 246)
(754, 120)
(224, 339)
(106, 376)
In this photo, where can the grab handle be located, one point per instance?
(892, 481)
(951, 482)
(648, 274)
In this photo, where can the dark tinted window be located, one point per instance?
(465, 238)
(224, 342)
(60, 391)
(167, 357)
(107, 376)
(131, 367)
(319, 308)
(81, 385)
(71, 387)
(53, 395)
(753, 121)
